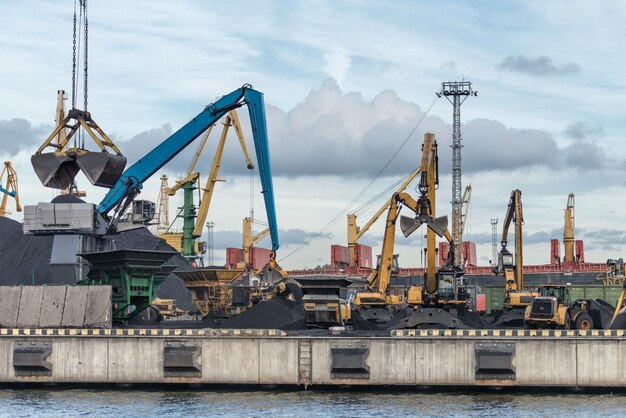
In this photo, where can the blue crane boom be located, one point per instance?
(131, 181)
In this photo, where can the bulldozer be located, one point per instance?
(553, 309)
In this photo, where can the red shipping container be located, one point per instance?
(259, 257)
(444, 249)
(469, 253)
(363, 256)
(580, 251)
(481, 302)
(338, 256)
(555, 256)
(233, 256)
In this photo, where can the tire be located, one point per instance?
(584, 321)
(567, 323)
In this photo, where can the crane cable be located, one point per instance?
(362, 192)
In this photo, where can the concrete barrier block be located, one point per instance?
(9, 305)
(52, 306)
(30, 307)
(75, 303)
(98, 308)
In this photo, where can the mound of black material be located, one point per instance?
(601, 313)
(276, 313)
(620, 320)
(23, 257)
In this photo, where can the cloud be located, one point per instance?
(541, 66)
(137, 146)
(18, 134)
(337, 133)
(336, 63)
(582, 130)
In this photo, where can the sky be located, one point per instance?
(346, 84)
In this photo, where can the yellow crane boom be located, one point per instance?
(568, 230)
(10, 188)
(355, 232)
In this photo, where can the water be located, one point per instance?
(55, 402)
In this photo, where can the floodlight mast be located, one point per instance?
(456, 92)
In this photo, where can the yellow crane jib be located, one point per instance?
(10, 188)
(232, 119)
(355, 232)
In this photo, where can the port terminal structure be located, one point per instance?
(466, 358)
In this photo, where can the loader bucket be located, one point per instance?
(101, 168)
(56, 171)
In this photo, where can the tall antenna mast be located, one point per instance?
(456, 92)
(210, 244)
(494, 242)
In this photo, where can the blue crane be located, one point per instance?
(131, 181)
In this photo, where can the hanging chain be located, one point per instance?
(84, 5)
(74, 62)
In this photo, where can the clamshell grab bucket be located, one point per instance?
(58, 171)
(101, 168)
(55, 171)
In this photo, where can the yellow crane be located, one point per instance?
(249, 241)
(61, 138)
(10, 188)
(378, 281)
(355, 232)
(568, 231)
(163, 211)
(512, 268)
(194, 220)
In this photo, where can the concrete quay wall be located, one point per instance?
(270, 357)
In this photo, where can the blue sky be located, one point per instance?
(345, 82)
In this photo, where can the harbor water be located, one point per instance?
(61, 402)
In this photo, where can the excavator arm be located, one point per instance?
(513, 273)
(131, 181)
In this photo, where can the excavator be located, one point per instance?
(426, 306)
(10, 189)
(511, 267)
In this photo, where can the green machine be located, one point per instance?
(133, 276)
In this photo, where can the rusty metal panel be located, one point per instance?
(364, 256)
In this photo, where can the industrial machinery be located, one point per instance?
(90, 224)
(355, 232)
(568, 232)
(511, 267)
(248, 242)
(163, 210)
(10, 188)
(553, 308)
(420, 306)
(193, 221)
(167, 308)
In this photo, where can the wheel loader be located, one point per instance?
(554, 309)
